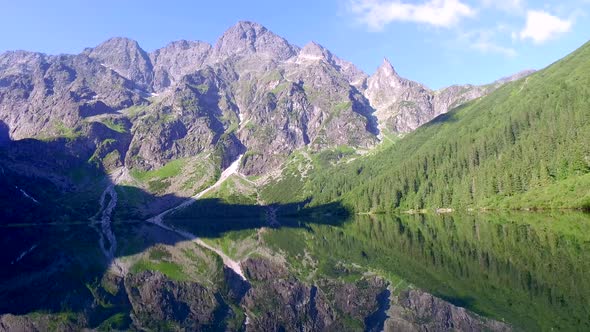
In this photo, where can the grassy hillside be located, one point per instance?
(527, 145)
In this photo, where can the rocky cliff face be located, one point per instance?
(125, 57)
(251, 92)
(38, 324)
(42, 96)
(402, 105)
(176, 60)
(157, 300)
(419, 311)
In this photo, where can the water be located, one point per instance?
(40, 266)
(528, 269)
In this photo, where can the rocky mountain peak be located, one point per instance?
(179, 46)
(386, 83)
(315, 51)
(401, 105)
(117, 47)
(126, 57)
(15, 62)
(185, 44)
(248, 26)
(247, 38)
(386, 70)
(117, 43)
(176, 60)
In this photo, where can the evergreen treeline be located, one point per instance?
(530, 138)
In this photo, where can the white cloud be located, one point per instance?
(542, 26)
(486, 46)
(509, 6)
(485, 41)
(439, 13)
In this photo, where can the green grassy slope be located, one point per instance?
(525, 145)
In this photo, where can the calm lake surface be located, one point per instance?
(529, 269)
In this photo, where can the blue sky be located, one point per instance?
(436, 42)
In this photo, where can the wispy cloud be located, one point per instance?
(487, 47)
(541, 26)
(439, 13)
(485, 41)
(509, 6)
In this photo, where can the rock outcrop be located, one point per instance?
(125, 57)
(176, 60)
(39, 323)
(401, 105)
(415, 310)
(157, 301)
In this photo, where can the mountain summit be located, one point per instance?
(124, 56)
(386, 69)
(252, 38)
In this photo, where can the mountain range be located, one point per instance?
(252, 92)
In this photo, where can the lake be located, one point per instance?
(528, 269)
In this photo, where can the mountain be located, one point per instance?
(251, 92)
(523, 146)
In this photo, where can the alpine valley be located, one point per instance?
(255, 185)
